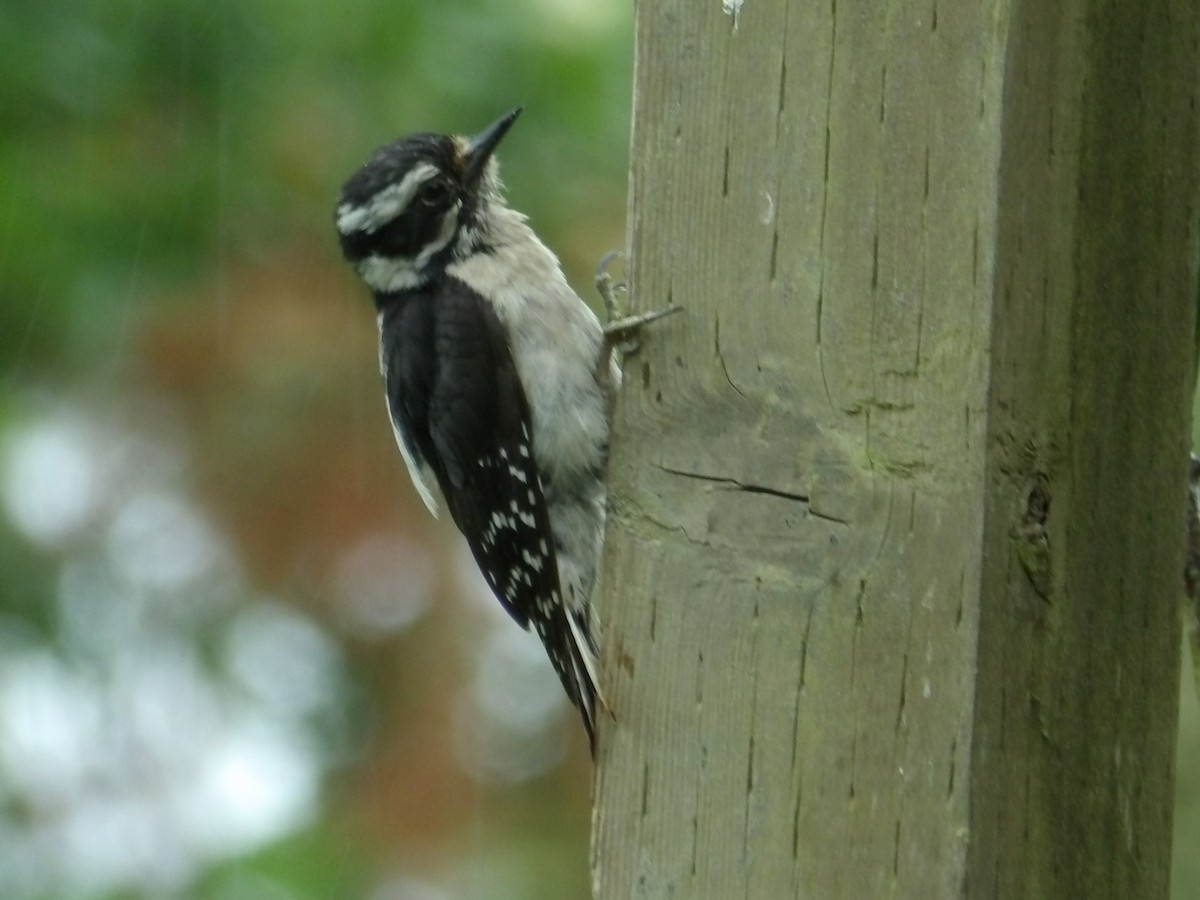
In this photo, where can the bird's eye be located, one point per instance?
(434, 193)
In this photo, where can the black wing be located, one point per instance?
(460, 397)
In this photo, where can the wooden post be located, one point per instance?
(896, 540)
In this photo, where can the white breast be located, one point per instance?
(555, 341)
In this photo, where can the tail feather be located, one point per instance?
(585, 687)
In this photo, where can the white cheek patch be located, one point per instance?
(387, 275)
(385, 205)
(390, 274)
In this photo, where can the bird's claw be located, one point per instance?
(620, 331)
(607, 287)
(626, 327)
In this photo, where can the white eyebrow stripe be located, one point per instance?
(385, 205)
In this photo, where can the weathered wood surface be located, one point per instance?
(895, 548)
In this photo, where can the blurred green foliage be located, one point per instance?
(144, 143)
(185, 354)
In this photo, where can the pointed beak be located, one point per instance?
(481, 147)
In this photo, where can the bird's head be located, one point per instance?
(417, 204)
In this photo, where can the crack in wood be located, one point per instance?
(721, 356)
(754, 489)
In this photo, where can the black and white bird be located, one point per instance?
(497, 377)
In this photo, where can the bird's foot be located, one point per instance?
(607, 287)
(621, 331)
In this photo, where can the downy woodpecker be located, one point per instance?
(496, 375)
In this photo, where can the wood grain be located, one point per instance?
(939, 265)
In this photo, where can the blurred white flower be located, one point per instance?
(384, 584)
(283, 659)
(51, 477)
(511, 722)
(160, 541)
